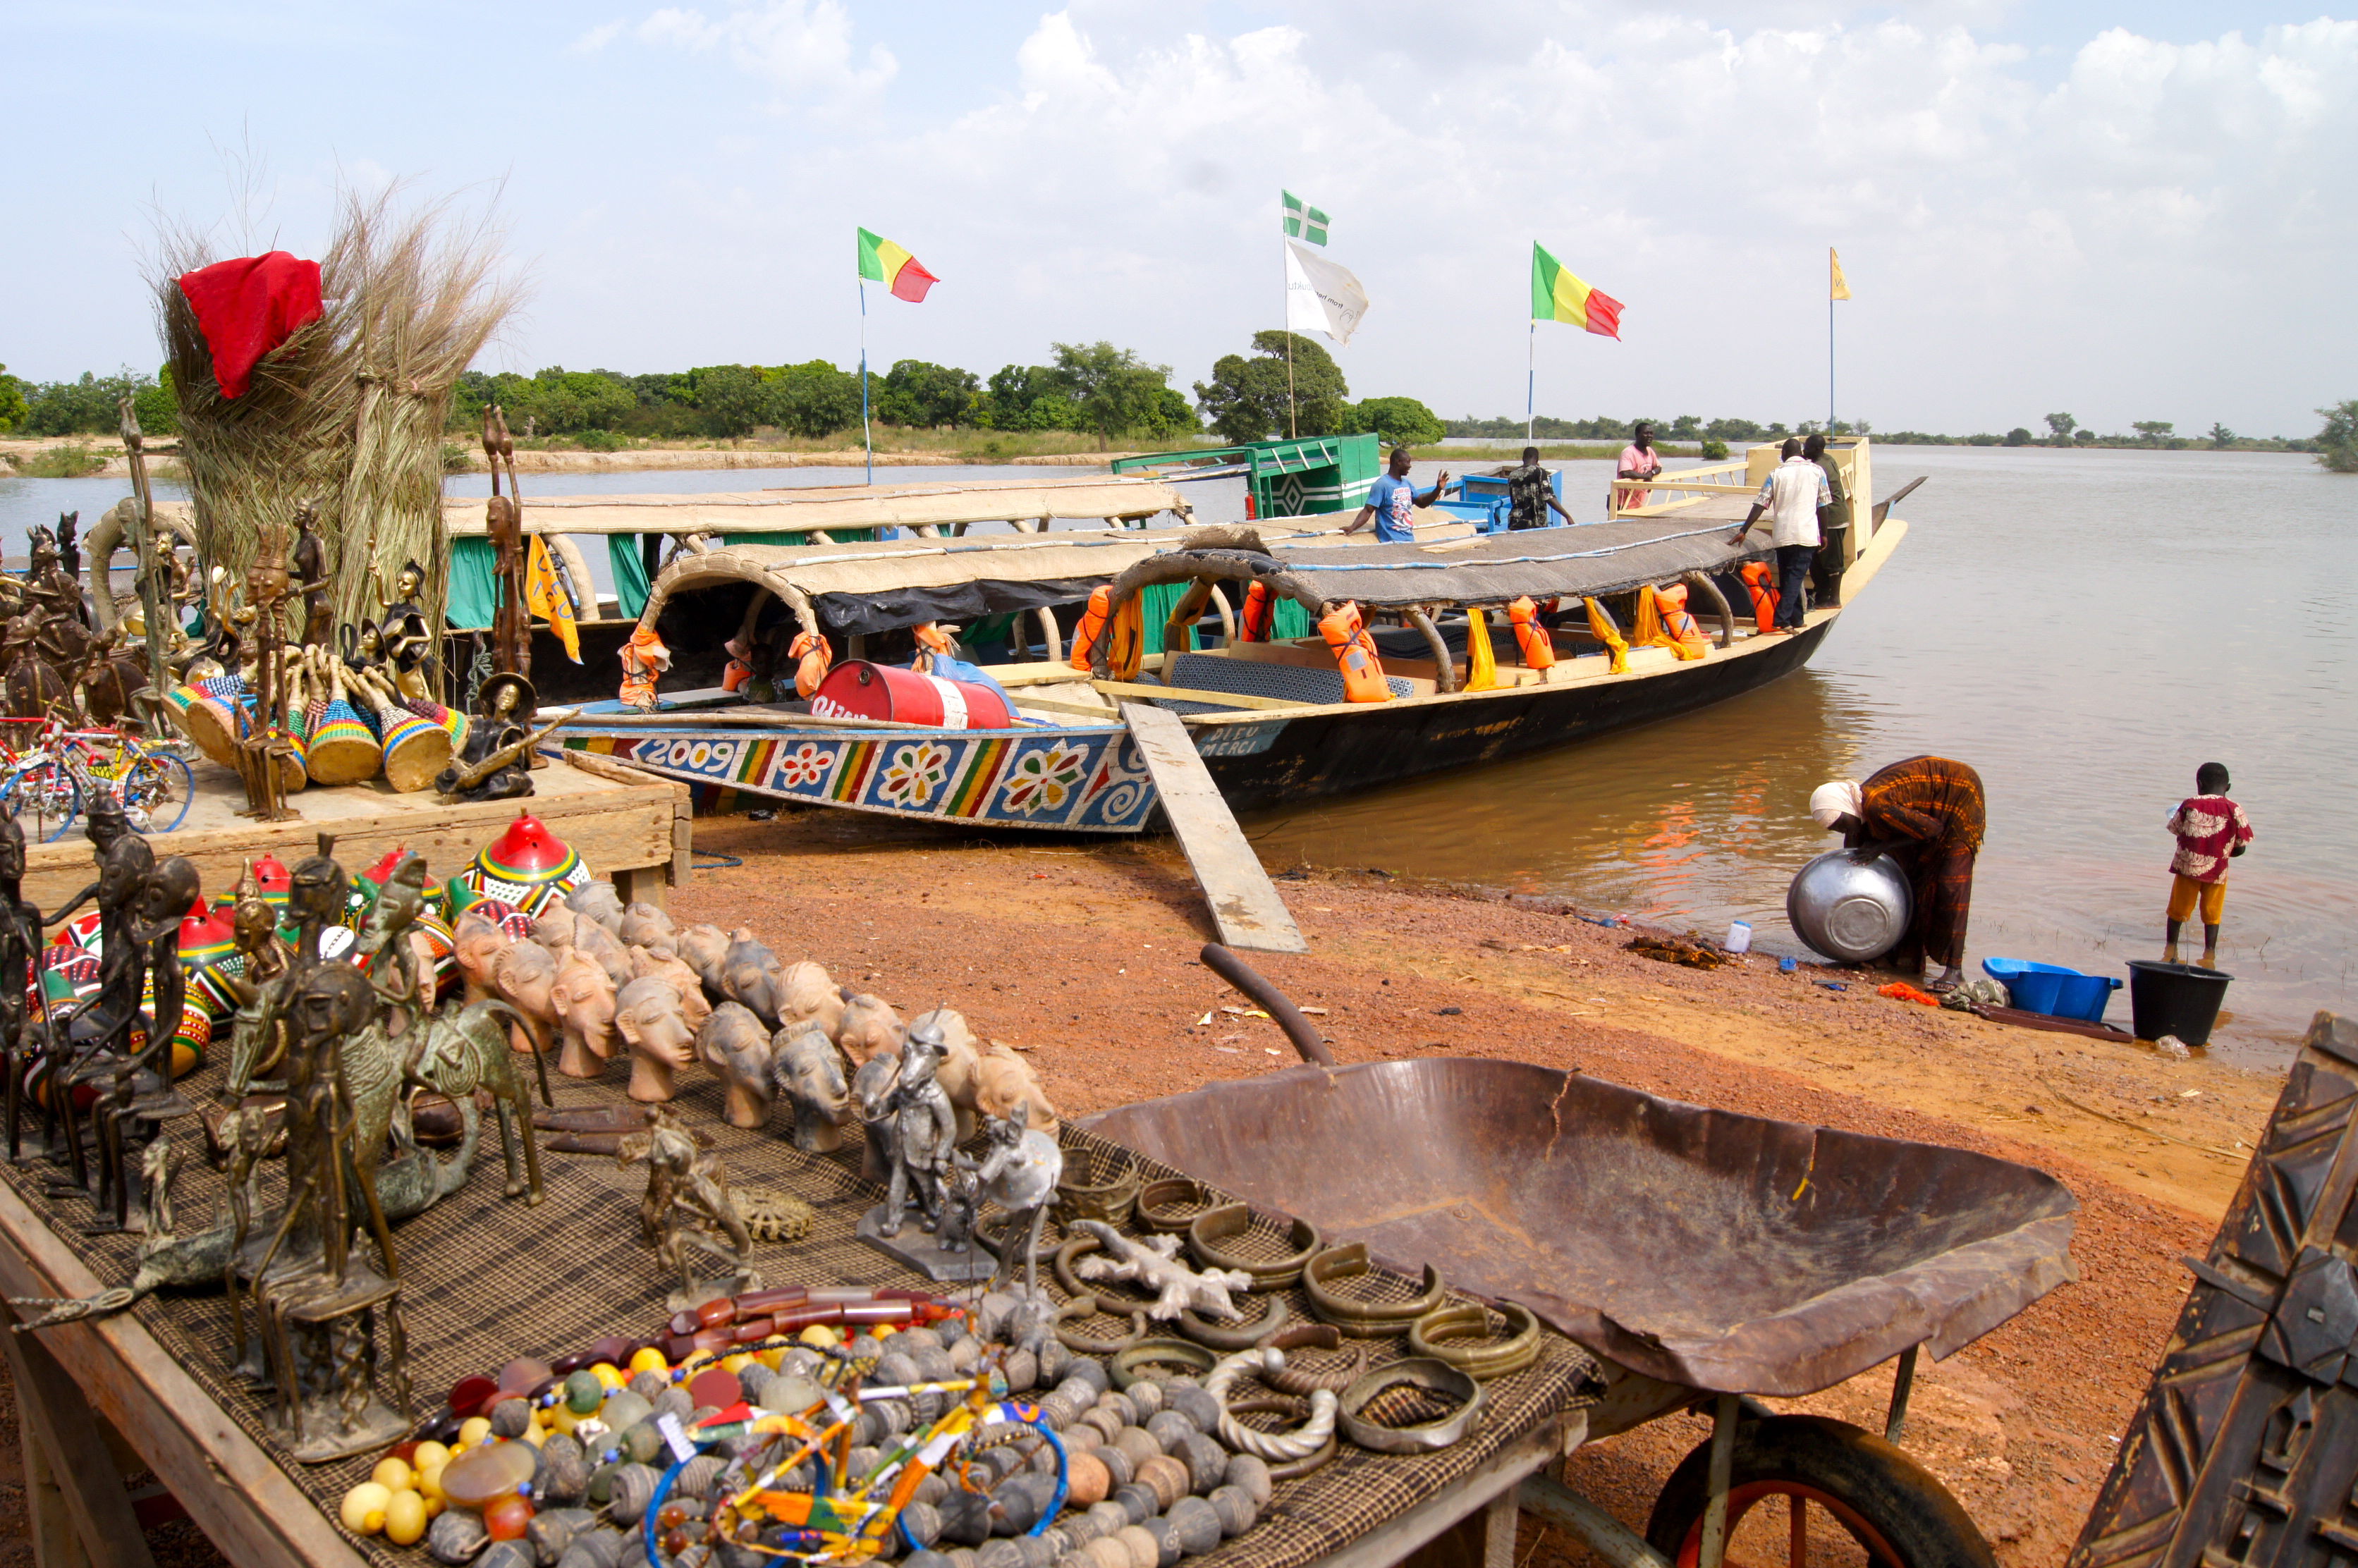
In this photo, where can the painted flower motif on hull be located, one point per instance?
(804, 767)
(1044, 781)
(914, 774)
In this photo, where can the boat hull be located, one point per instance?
(1069, 781)
(1284, 759)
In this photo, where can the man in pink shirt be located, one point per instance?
(1638, 460)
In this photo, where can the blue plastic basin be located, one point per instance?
(2053, 990)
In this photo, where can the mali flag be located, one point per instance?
(882, 261)
(1557, 295)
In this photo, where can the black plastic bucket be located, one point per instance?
(2175, 998)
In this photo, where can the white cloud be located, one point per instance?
(802, 46)
(2132, 231)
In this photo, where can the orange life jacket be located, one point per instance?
(1663, 622)
(737, 672)
(811, 649)
(644, 658)
(1760, 582)
(1261, 610)
(1355, 655)
(1093, 620)
(1539, 648)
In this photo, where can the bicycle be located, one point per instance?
(49, 786)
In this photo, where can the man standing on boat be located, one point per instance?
(1834, 525)
(1928, 814)
(1388, 503)
(1792, 496)
(1529, 494)
(1638, 460)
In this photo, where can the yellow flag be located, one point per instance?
(545, 596)
(1839, 284)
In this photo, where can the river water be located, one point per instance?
(2084, 628)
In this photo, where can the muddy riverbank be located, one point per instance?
(1084, 956)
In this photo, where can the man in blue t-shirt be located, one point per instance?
(1390, 501)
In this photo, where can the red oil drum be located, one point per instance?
(857, 689)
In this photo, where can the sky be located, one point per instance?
(2122, 211)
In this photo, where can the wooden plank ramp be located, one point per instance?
(1244, 906)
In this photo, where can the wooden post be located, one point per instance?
(73, 1488)
(153, 599)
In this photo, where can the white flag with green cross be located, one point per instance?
(1304, 222)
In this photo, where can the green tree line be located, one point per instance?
(90, 407)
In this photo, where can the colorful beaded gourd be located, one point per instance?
(528, 867)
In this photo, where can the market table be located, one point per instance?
(485, 1279)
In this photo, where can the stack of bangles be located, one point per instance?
(1459, 1336)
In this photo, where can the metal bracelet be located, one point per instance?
(1239, 1335)
(1461, 1337)
(1169, 1205)
(1295, 1469)
(1214, 1226)
(1362, 1319)
(1290, 1378)
(1438, 1377)
(1081, 1307)
(1062, 1263)
(1275, 1447)
(1128, 1363)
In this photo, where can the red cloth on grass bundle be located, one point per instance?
(248, 307)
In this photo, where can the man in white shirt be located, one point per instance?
(1792, 496)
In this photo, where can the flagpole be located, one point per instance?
(866, 440)
(1285, 321)
(1531, 383)
(1830, 364)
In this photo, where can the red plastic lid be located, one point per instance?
(273, 875)
(382, 873)
(528, 846)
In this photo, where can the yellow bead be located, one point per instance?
(735, 1364)
(394, 1476)
(434, 1506)
(562, 1419)
(429, 1456)
(650, 1360)
(882, 1330)
(405, 1519)
(609, 1374)
(429, 1485)
(821, 1334)
(473, 1430)
(770, 1358)
(536, 1435)
(364, 1508)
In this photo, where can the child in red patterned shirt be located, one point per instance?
(2212, 830)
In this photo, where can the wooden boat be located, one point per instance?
(1267, 717)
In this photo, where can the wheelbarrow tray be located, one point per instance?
(1731, 1253)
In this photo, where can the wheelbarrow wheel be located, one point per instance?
(1894, 1508)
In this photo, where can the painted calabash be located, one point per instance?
(528, 867)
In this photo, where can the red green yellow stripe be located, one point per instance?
(1558, 296)
(975, 786)
(882, 261)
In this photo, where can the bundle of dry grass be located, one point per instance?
(348, 414)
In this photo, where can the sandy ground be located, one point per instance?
(1084, 954)
(637, 459)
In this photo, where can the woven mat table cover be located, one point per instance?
(486, 1279)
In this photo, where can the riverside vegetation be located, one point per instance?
(1088, 391)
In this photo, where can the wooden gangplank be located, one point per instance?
(1244, 906)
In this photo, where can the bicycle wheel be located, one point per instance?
(44, 798)
(164, 785)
